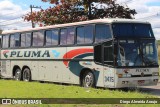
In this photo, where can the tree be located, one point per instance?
(65, 11)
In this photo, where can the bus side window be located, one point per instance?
(85, 34)
(102, 32)
(14, 40)
(25, 39)
(63, 36)
(70, 36)
(17, 40)
(28, 39)
(51, 37)
(80, 35)
(38, 38)
(5, 42)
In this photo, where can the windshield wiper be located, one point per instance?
(149, 62)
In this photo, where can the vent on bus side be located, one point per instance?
(3, 67)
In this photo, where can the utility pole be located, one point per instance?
(32, 6)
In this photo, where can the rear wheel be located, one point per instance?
(26, 74)
(17, 74)
(88, 79)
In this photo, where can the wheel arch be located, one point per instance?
(83, 72)
(14, 69)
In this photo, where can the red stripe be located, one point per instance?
(71, 54)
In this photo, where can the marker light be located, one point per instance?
(155, 73)
(120, 75)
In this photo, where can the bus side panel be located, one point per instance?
(76, 56)
(6, 69)
(109, 77)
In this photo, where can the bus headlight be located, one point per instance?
(155, 73)
(124, 75)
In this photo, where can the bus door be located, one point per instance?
(109, 71)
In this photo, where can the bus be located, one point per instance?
(109, 53)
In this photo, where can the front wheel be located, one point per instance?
(26, 74)
(17, 74)
(88, 79)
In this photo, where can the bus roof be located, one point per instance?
(106, 20)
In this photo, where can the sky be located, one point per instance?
(11, 12)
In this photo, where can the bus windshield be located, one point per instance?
(137, 53)
(132, 30)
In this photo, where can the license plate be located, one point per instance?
(140, 82)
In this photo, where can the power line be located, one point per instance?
(14, 23)
(156, 27)
(11, 19)
(157, 14)
(4, 15)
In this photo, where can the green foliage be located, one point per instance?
(158, 42)
(67, 11)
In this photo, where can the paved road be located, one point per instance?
(154, 90)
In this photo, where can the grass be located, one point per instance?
(19, 89)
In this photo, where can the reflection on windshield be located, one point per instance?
(132, 30)
(137, 53)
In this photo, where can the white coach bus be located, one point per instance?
(111, 53)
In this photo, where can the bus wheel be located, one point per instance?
(26, 74)
(17, 74)
(88, 79)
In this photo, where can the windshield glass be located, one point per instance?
(137, 53)
(132, 30)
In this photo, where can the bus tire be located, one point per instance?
(88, 79)
(26, 75)
(18, 75)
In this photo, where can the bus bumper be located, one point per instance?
(135, 82)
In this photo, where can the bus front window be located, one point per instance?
(137, 53)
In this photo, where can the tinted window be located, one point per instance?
(108, 53)
(67, 36)
(14, 40)
(80, 35)
(85, 34)
(26, 40)
(88, 35)
(70, 36)
(5, 41)
(98, 54)
(63, 37)
(102, 33)
(51, 37)
(38, 39)
(132, 30)
(17, 40)
(23, 40)
(48, 37)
